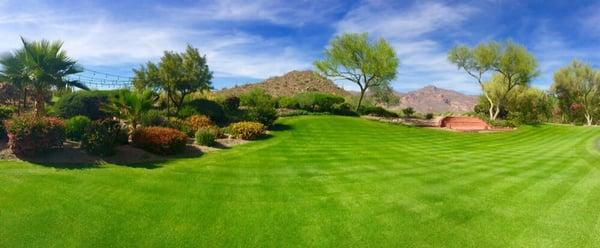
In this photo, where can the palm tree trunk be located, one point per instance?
(39, 102)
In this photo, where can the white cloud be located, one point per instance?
(96, 39)
(410, 31)
(589, 19)
(385, 19)
(553, 51)
(291, 13)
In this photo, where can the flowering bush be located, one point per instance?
(246, 130)
(100, 137)
(159, 140)
(196, 122)
(30, 135)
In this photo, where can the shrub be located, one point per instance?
(186, 111)
(318, 101)
(122, 136)
(288, 102)
(30, 135)
(76, 126)
(293, 113)
(429, 116)
(86, 103)
(344, 109)
(408, 112)
(153, 117)
(377, 111)
(159, 140)
(256, 97)
(246, 130)
(206, 107)
(502, 123)
(179, 124)
(205, 137)
(231, 103)
(56, 131)
(267, 115)
(5, 113)
(196, 122)
(100, 137)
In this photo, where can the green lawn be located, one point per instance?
(324, 181)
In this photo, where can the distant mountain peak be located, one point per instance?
(432, 99)
(291, 83)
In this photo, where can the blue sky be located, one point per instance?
(246, 41)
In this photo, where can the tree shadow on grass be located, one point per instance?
(281, 127)
(264, 137)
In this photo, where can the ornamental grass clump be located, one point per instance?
(205, 137)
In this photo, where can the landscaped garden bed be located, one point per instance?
(72, 153)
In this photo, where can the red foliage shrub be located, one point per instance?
(159, 140)
(30, 135)
(196, 122)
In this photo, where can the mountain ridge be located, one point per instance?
(429, 99)
(432, 99)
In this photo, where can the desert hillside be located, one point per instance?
(290, 84)
(431, 99)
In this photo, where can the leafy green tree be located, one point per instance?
(177, 74)
(354, 58)
(577, 87)
(256, 97)
(384, 94)
(39, 67)
(510, 60)
(131, 106)
(13, 73)
(523, 104)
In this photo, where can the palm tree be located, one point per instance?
(13, 73)
(46, 67)
(130, 106)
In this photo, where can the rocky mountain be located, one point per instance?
(290, 84)
(431, 99)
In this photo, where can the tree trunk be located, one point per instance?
(39, 106)
(491, 110)
(496, 113)
(589, 119)
(487, 96)
(362, 94)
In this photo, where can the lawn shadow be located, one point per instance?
(281, 127)
(72, 157)
(264, 137)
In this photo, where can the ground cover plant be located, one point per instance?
(325, 181)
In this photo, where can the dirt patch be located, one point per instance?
(73, 154)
